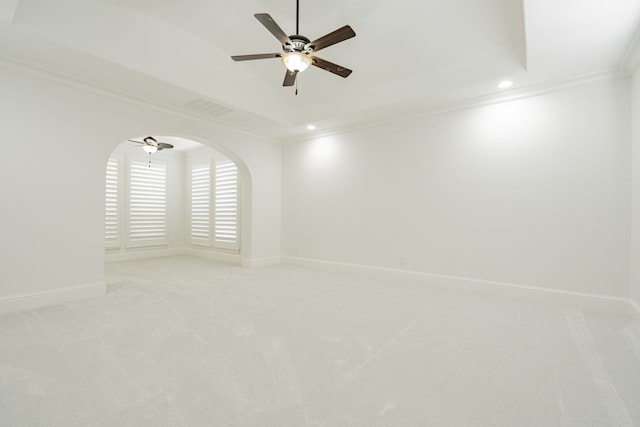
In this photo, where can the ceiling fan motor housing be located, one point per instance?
(299, 44)
(298, 51)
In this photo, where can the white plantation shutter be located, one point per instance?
(111, 205)
(147, 204)
(226, 205)
(201, 205)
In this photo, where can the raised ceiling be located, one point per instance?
(407, 56)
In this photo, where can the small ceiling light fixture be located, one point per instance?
(311, 127)
(150, 148)
(505, 84)
(151, 145)
(296, 62)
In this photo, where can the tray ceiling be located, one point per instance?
(407, 55)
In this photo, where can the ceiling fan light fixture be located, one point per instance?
(150, 148)
(296, 61)
(298, 52)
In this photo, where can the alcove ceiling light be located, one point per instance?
(150, 148)
(311, 127)
(505, 84)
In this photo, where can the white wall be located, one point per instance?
(533, 192)
(56, 142)
(635, 189)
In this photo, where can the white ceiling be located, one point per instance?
(407, 56)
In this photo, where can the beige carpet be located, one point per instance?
(187, 342)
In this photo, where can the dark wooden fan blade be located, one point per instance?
(137, 142)
(289, 78)
(266, 20)
(341, 34)
(331, 67)
(163, 145)
(256, 56)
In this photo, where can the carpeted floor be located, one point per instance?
(186, 342)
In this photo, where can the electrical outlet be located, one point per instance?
(293, 250)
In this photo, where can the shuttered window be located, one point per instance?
(201, 205)
(147, 204)
(226, 214)
(111, 224)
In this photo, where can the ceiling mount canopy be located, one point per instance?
(298, 51)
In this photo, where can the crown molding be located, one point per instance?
(20, 66)
(473, 102)
(525, 92)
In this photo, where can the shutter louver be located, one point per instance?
(111, 205)
(226, 205)
(147, 204)
(201, 205)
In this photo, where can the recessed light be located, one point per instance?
(505, 84)
(311, 127)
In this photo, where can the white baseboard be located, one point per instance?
(214, 256)
(134, 254)
(559, 296)
(56, 296)
(261, 262)
(634, 311)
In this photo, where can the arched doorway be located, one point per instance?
(192, 198)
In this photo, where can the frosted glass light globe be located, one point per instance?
(296, 61)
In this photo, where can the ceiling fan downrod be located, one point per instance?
(298, 52)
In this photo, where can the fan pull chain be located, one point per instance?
(149, 160)
(296, 87)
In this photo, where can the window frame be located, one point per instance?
(113, 163)
(207, 241)
(234, 245)
(132, 242)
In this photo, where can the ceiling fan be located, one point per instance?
(151, 145)
(298, 51)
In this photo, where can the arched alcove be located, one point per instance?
(152, 208)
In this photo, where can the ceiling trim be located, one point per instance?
(15, 65)
(513, 95)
